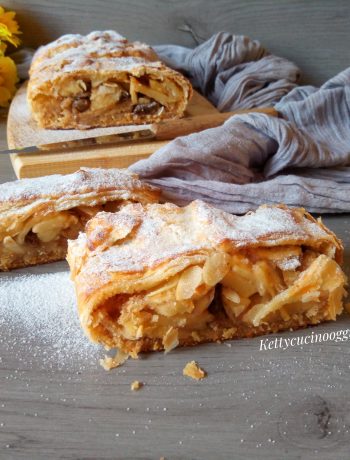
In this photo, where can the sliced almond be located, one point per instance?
(111, 84)
(322, 274)
(234, 309)
(215, 268)
(267, 279)
(171, 339)
(203, 303)
(231, 294)
(310, 296)
(171, 283)
(189, 280)
(243, 286)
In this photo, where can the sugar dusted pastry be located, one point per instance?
(103, 80)
(38, 215)
(159, 276)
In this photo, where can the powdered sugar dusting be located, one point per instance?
(289, 264)
(76, 52)
(266, 222)
(38, 312)
(82, 181)
(167, 232)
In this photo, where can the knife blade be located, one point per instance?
(163, 131)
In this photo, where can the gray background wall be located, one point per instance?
(314, 34)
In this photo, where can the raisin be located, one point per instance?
(145, 109)
(81, 104)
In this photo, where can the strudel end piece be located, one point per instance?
(103, 80)
(158, 276)
(37, 216)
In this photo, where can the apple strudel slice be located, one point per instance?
(101, 80)
(37, 216)
(158, 276)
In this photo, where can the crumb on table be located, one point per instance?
(109, 362)
(194, 371)
(136, 385)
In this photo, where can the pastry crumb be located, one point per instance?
(229, 333)
(109, 363)
(195, 336)
(136, 385)
(194, 371)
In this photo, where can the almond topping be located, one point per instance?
(215, 268)
(231, 294)
(171, 339)
(189, 280)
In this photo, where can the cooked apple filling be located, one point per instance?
(100, 80)
(141, 96)
(106, 101)
(226, 296)
(47, 234)
(157, 276)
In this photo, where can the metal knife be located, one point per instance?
(165, 130)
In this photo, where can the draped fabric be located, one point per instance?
(300, 158)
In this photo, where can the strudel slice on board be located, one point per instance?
(160, 276)
(103, 80)
(38, 215)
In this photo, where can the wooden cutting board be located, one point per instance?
(22, 131)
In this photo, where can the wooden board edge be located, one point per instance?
(36, 165)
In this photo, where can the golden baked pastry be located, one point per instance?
(103, 80)
(158, 276)
(38, 215)
(193, 371)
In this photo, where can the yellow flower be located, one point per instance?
(3, 47)
(8, 80)
(9, 27)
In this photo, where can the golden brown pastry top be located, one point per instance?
(98, 50)
(158, 241)
(87, 186)
(107, 44)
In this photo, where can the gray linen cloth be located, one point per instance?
(301, 159)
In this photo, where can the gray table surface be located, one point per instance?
(291, 404)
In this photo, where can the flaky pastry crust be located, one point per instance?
(38, 215)
(100, 80)
(158, 276)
